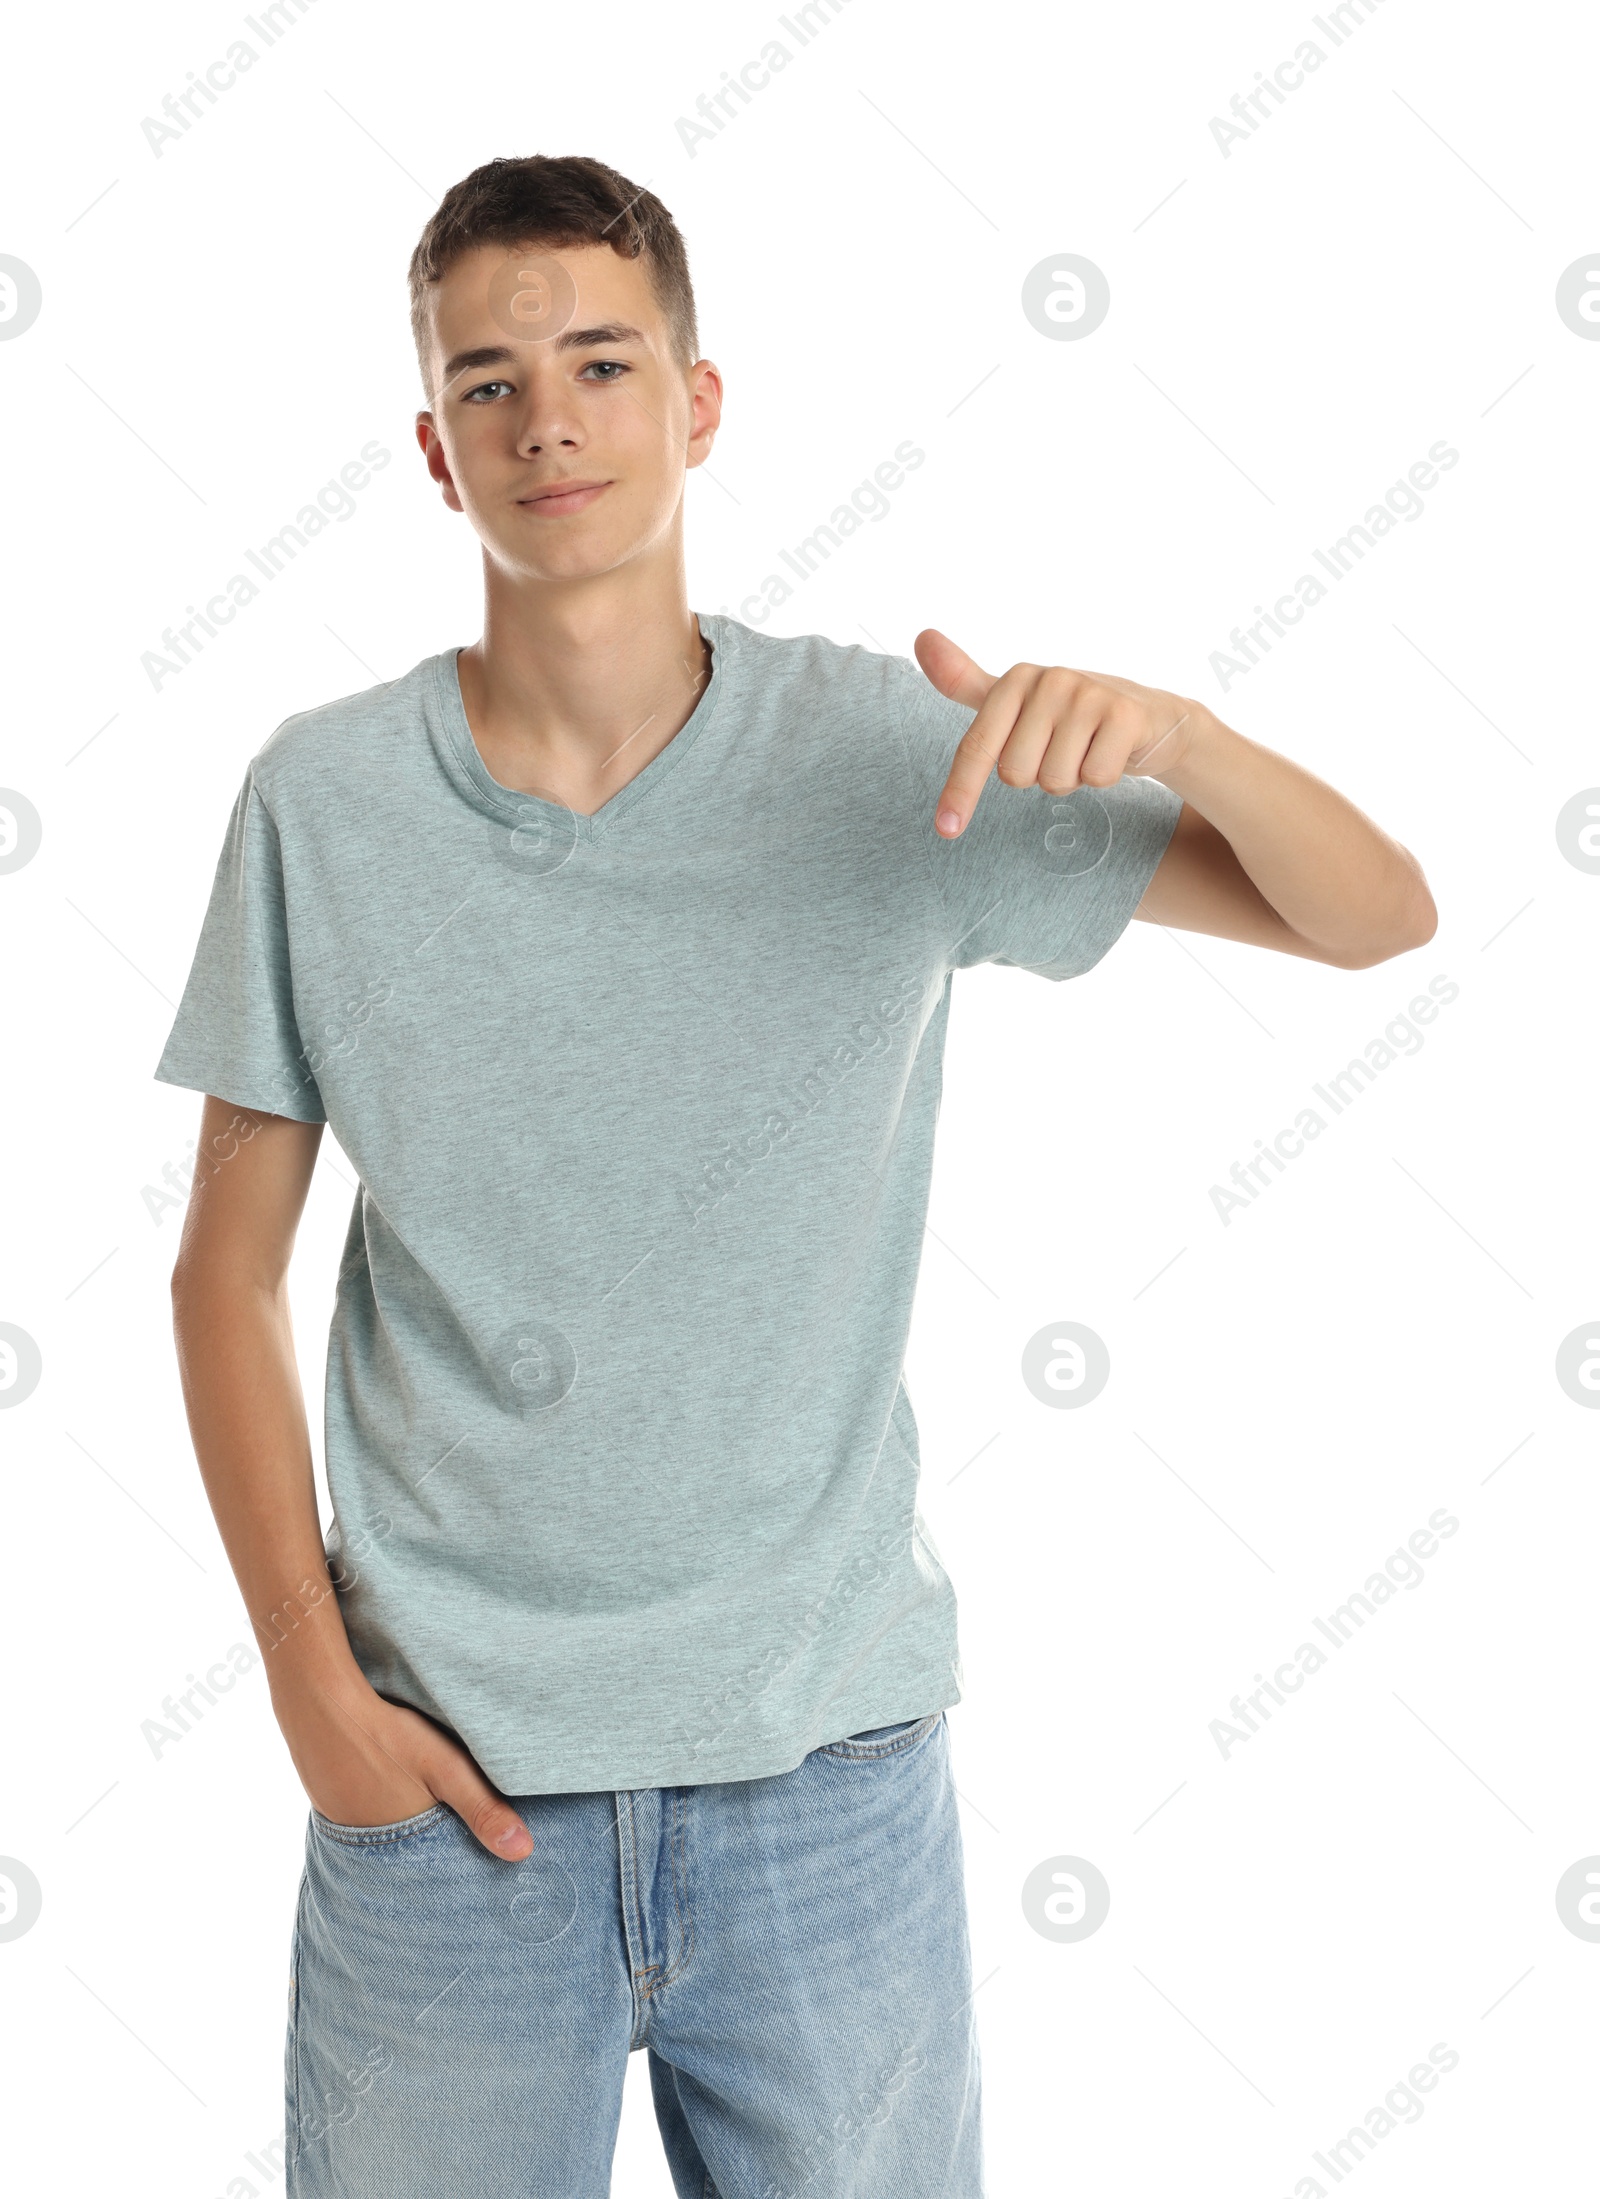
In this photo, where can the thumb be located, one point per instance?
(487, 1815)
(950, 669)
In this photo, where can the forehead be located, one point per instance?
(497, 290)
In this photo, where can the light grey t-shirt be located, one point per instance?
(642, 1106)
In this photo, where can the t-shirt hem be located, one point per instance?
(521, 1778)
(1157, 821)
(263, 1097)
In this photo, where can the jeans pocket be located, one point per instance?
(866, 1748)
(377, 1836)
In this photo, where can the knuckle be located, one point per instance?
(485, 1818)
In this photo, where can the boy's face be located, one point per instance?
(600, 403)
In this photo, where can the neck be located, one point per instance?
(576, 686)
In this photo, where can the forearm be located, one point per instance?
(247, 1419)
(362, 1759)
(1334, 877)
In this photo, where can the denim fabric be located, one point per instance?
(790, 1952)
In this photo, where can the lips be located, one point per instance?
(563, 496)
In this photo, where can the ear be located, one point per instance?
(432, 448)
(705, 411)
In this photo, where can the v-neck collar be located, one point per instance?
(472, 775)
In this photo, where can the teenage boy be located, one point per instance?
(616, 947)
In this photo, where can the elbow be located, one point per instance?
(1421, 919)
(1427, 922)
(1417, 927)
(189, 1283)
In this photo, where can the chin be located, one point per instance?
(574, 562)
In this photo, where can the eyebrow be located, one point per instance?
(570, 339)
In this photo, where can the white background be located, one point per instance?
(1372, 271)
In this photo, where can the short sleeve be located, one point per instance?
(1041, 882)
(235, 1035)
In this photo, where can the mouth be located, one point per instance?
(563, 496)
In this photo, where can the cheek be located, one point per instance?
(649, 458)
(474, 455)
(649, 428)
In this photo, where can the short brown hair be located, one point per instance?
(550, 199)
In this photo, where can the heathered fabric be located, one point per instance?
(642, 1110)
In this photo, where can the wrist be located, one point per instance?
(312, 1707)
(306, 1652)
(1205, 755)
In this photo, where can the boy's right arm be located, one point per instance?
(362, 1760)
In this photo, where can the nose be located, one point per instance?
(550, 418)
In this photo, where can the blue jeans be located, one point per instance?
(790, 1952)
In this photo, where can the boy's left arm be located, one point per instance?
(1263, 850)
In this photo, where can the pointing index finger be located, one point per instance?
(976, 755)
